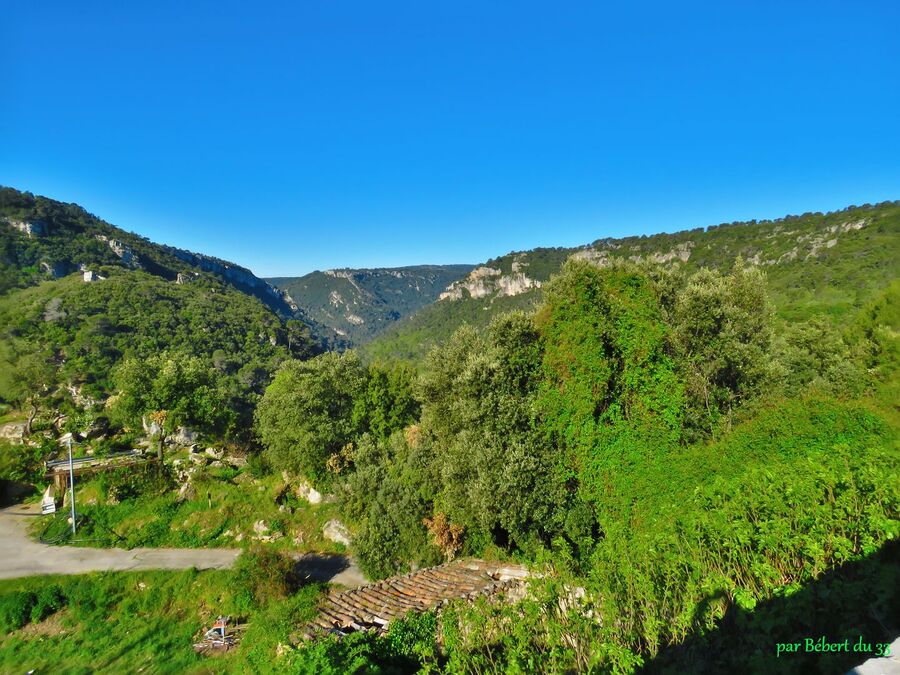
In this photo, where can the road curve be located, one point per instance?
(20, 556)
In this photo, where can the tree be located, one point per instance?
(723, 327)
(813, 354)
(307, 413)
(33, 375)
(173, 390)
(387, 403)
(494, 472)
(611, 398)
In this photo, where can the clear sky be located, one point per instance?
(309, 135)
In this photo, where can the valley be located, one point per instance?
(542, 411)
(360, 304)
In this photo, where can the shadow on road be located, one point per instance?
(320, 567)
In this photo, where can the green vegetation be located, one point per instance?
(411, 338)
(360, 304)
(64, 622)
(92, 337)
(825, 265)
(313, 409)
(63, 339)
(645, 435)
(41, 238)
(131, 508)
(685, 435)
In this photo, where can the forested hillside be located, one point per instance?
(42, 238)
(360, 304)
(828, 264)
(663, 448)
(81, 300)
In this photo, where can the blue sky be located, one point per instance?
(300, 136)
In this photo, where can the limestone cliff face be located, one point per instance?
(230, 271)
(487, 281)
(30, 228)
(128, 256)
(781, 245)
(360, 303)
(603, 252)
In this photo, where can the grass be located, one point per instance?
(221, 512)
(147, 622)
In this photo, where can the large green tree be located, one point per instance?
(172, 390)
(723, 330)
(307, 413)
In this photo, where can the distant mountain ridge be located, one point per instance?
(358, 304)
(823, 262)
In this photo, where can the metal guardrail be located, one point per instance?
(82, 461)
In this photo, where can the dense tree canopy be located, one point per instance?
(307, 413)
(653, 436)
(173, 389)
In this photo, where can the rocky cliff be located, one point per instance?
(358, 304)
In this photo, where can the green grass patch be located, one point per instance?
(139, 622)
(221, 511)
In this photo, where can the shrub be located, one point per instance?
(48, 600)
(262, 576)
(135, 481)
(15, 609)
(258, 466)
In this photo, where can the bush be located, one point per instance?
(15, 610)
(135, 481)
(262, 576)
(24, 463)
(414, 637)
(258, 466)
(410, 646)
(48, 600)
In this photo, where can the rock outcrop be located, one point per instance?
(14, 432)
(485, 281)
(30, 228)
(127, 256)
(335, 531)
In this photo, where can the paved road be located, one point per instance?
(886, 665)
(20, 556)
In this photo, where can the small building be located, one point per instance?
(90, 275)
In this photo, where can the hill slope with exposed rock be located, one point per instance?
(43, 239)
(360, 303)
(815, 263)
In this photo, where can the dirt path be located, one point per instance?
(20, 556)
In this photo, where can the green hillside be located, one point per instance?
(42, 239)
(683, 448)
(80, 299)
(694, 478)
(815, 263)
(360, 304)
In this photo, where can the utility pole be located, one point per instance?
(71, 485)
